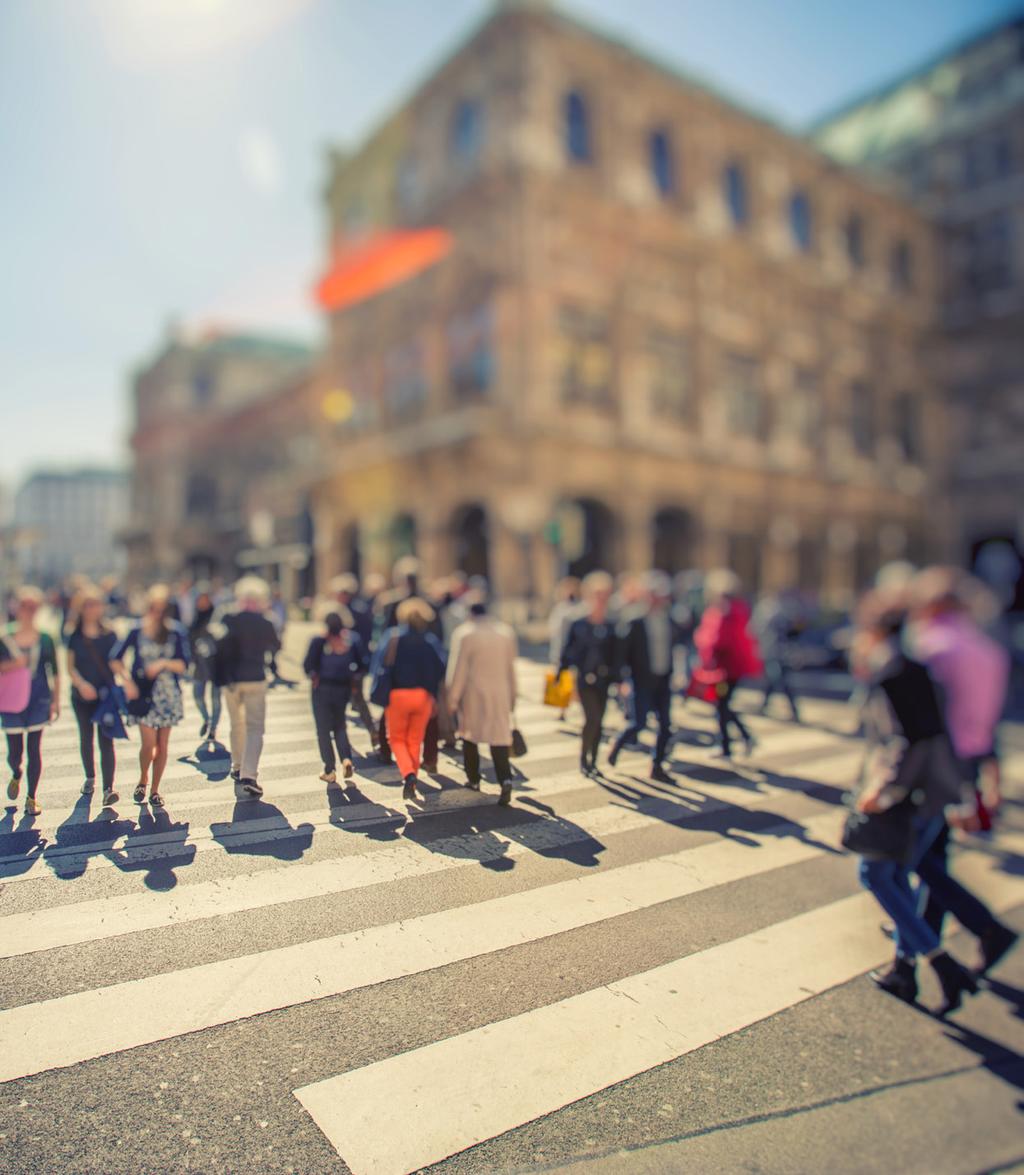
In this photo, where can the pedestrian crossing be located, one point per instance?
(124, 931)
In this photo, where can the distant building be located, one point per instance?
(67, 523)
(950, 136)
(214, 416)
(570, 330)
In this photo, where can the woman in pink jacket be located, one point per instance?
(727, 651)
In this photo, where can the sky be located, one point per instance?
(163, 160)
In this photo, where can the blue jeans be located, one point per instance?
(889, 882)
(211, 715)
(656, 699)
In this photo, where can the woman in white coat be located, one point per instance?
(482, 693)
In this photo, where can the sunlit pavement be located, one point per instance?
(610, 975)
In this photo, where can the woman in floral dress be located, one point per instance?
(159, 656)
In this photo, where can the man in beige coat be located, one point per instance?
(482, 693)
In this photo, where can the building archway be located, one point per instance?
(673, 540)
(402, 536)
(589, 535)
(471, 539)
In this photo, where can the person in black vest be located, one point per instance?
(249, 639)
(647, 643)
(89, 649)
(590, 648)
(333, 662)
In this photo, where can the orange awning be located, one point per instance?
(385, 260)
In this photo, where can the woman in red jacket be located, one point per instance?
(727, 651)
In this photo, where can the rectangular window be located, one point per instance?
(668, 375)
(405, 385)
(584, 356)
(471, 363)
(908, 425)
(745, 408)
(803, 412)
(990, 254)
(862, 418)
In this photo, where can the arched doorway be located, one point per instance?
(673, 540)
(588, 536)
(471, 540)
(352, 550)
(402, 536)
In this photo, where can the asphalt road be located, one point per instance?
(608, 976)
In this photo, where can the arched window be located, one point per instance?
(800, 221)
(577, 128)
(662, 162)
(853, 232)
(467, 130)
(734, 189)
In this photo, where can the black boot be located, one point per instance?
(409, 791)
(900, 980)
(996, 942)
(506, 795)
(955, 980)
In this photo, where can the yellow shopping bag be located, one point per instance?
(558, 689)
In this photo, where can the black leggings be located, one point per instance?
(499, 755)
(329, 703)
(86, 730)
(593, 699)
(15, 751)
(727, 714)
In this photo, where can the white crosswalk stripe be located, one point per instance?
(583, 853)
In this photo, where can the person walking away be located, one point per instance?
(590, 649)
(159, 653)
(727, 653)
(333, 661)
(913, 764)
(415, 660)
(566, 608)
(203, 644)
(972, 672)
(345, 589)
(482, 694)
(405, 577)
(647, 643)
(27, 646)
(90, 649)
(773, 623)
(248, 641)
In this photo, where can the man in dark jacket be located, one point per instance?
(249, 638)
(646, 642)
(345, 589)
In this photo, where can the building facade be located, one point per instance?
(950, 136)
(67, 524)
(214, 417)
(569, 331)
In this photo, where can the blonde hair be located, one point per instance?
(415, 612)
(721, 583)
(598, 581)
(27, 594)
(250, 588)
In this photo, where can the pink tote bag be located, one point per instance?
(15, 688)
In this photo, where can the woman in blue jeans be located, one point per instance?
(911, 763)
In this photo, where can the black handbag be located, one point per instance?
(881, 836)
(518, 749)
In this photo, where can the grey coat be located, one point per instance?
(482, 680)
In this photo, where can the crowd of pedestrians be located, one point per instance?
(442, 670)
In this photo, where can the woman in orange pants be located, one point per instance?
(416, 660)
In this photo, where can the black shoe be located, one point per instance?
(659, 774)
(996, 942)
(251, 788)
(585, 768)
(506, 795)
(236, 775)
(473, 784)
(430, 768)
(613, 755)
(204, 730)
(900, 980)
(409, 791)
(385, 756)
(955, 981)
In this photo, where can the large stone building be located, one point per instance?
(950, 136)
(583, 311)
(67, 523)
(219, 419)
